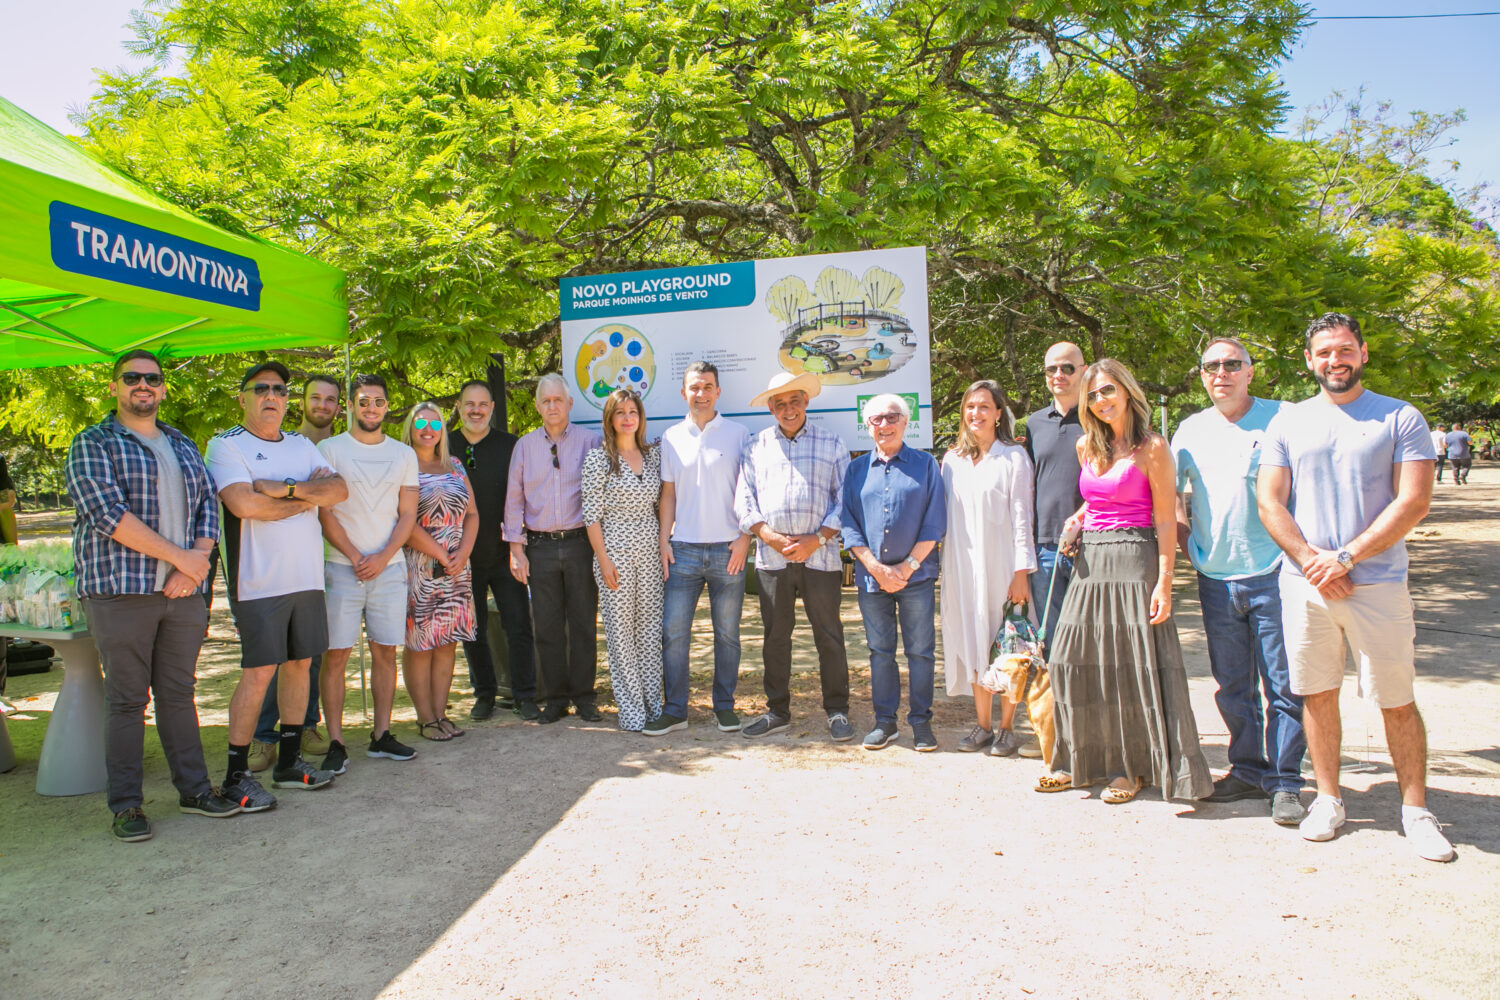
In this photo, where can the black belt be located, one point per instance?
(556, 536)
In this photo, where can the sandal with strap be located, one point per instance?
(449, 727)
(437, 725)
(1054, 783)
(1117, 796)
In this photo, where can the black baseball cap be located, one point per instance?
(267, 366)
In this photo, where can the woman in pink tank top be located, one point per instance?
(1122, 710)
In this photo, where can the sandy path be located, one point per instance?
(578, 861)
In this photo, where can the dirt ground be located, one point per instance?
(576, 860)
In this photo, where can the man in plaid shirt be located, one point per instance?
(789, 496)
(146, 519)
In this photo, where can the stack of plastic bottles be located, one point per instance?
(37, 585)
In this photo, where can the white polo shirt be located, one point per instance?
(703, 467)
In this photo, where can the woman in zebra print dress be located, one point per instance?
(439, 597)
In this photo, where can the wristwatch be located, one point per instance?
(291, 488)
(915, 564)
(1345, 559)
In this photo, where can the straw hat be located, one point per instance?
(787, 382)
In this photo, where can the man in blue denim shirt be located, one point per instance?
(894, 516)
(1218, 458)
(147, 517)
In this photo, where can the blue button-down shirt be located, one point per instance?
(796, 486)
(890, 506)
(111, 474)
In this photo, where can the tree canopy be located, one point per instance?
(1109, 173)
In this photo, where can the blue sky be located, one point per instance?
(1432, 65)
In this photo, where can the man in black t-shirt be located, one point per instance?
(1051, 436)
(485, 453)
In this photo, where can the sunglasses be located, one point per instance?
(153, 379)
(555, 463)
(1103, 392)
(274, 388)
(876, 419)
(422, 423)
(1065, 369)
(1213, 367)
(376, 401)
(469, 455)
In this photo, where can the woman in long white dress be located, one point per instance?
(988, 554)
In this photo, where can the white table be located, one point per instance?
(72, 761)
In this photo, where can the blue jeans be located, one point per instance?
(912, 607)
(1046, 557)
(694, 565)
(1242, 619)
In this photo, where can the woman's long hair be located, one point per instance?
(1098, 438)
(611, 449)
(967, 446)
(429, 407)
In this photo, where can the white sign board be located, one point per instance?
(856, 320)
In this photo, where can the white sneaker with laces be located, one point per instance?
(1323, 819)
(1425, 834)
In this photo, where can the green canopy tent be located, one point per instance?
(93, 264)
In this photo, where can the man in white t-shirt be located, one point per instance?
(701, 544)
(363, 572)
(1343, 477)
(271, 484)
(1440, 444)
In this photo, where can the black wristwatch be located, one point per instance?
(291, 488)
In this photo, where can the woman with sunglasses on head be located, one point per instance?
(621, 489)
(439, 597)
(1122, 711)
(988, 554)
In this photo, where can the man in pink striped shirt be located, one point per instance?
(549, 550)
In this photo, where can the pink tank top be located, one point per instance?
(1120, 498)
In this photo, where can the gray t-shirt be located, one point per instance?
(171, 498)
(1458, 444)
(1342, 460)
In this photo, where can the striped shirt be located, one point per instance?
(110, 474)
(796, 487)
(545, 489)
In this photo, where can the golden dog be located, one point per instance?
(1012, 671)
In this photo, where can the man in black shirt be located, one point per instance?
(1051, 436)
(485, 453)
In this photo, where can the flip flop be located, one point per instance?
(1117, 796)
(1054, 783)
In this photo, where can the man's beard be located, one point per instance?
(1343, 384)
(135, 409)
(319, 422)
(369, 428)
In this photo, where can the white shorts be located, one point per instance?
(1376, 621)
(381, 602)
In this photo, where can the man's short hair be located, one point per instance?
(139, 354)
(550, 379)
(266, 366)
(701, 368)
(1331, 321)
(885, 401)
(479, 382)
(360, 381)
(1235, 342)
(313, 380)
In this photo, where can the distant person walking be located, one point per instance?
(1440, 445)
(1460, 449)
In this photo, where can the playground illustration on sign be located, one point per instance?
(845, 329)
(614, 356)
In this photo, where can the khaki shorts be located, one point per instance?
(1376, 621)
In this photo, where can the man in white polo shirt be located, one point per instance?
(271, 483)
(364, 574)
(701, 544)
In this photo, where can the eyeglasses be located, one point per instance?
(422, 423)
(876, 419)
(378, 402)
(1106, 391)
(274, 388)
(555, 463)
(1065, 369)
(1213, 367)
(153, 379)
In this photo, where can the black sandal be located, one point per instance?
(442, 735)
(452, 730)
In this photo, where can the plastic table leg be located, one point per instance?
(72, 761)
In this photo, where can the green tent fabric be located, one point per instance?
(93, 264)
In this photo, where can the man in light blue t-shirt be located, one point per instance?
(1218, 453)
(1343, 477)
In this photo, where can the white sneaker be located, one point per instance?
(1425, 834)
(1323, 819)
